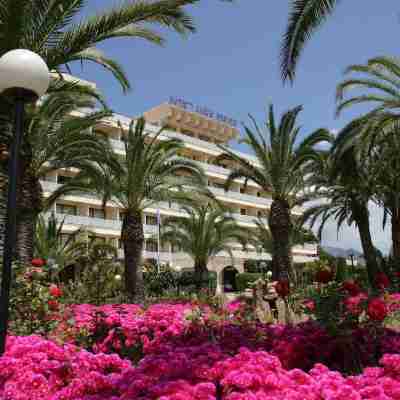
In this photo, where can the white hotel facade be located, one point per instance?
(200, 134)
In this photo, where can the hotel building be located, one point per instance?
(201, 131)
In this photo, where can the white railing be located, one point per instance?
(99, 223)
(242, 197)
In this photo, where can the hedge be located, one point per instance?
(243, 280)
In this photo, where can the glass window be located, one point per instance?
(66, 209)
(242, 190)
(151, 220)
(243, 211)
(96, 213)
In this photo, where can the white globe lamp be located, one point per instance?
(23, 73)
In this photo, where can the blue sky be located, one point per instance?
(231, 64)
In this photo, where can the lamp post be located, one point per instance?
(24, 77)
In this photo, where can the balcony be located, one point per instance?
(242, 197)
(98, 223)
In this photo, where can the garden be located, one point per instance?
(347, 344)
(85, 315)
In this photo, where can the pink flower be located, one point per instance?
(353, 303)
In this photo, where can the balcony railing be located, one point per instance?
(99, 223)
(241, 197)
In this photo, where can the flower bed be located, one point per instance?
(34, 369)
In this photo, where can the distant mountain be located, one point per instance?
(343, 253)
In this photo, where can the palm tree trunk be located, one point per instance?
(281, 226)
(361, 217)
(30, 204)
(199, 272)
(133, 239)
(396, 234)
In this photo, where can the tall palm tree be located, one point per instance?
(55, 137)
(206, 231)
(281, 159)
(305, 18)
(54, 30)
(375, 132)
(300, 235)
(344, 187)
(149, 173)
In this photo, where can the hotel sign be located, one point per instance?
(187, 105)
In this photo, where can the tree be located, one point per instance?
(51, 28)
(149, 173)
(375, 133)
(305, 18)
(74, 250)
(206, 231)
(300, 235)
(343, 186)
(55, 137)
(281, 160)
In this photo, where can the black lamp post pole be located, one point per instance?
(11, 223)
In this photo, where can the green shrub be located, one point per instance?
(243, 280)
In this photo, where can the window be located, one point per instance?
(63, 179)
(96, 213)
(242, 190)
(151, 220)
(259, 214)
(243, 211)
(205, 138)
(120, 244)
(121, 215)
(258, 194)
(66, 209)
(151, 246)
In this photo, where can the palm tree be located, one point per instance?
(53, 29)
(75, 250)
(300, 235)
(55, 138)
(149, 173)
(375, 133)
(344, 186)
(305, 18)
(206, 231)
(281, 160)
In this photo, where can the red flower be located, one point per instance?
(324, 275)
(53, 305)
(309, 305)
(55, 291)
(351, 287)
(282, 287)
(377, 310)
(38, 262)
(382, 281)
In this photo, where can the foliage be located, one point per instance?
(244, 280)
(281, 170)
(35, 302)
(305, 18)
(206, 231)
